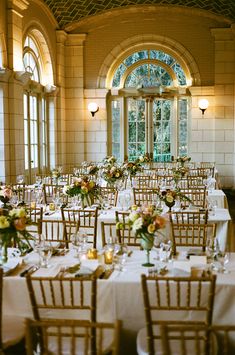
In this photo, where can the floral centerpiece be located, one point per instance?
(6, 194)
(92, 169)
(145, 222)
(56, 173)
(13, 231)
(179, 173)
(183, 159)
(144, 158)
(86, 189)
(113, 174)
(109, 161)
(132, 168)
(169, 197)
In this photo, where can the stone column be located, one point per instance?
(15, 126)
(224, 103)
(74, 100)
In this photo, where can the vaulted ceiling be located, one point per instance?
(68, 11)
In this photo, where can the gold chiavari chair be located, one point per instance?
(87, 218)
(50, 191)
(140, 181)
(195, 217)
(173, 300)
(72, 337)
(198, 340)
(57, 231)
(110, 195)
(34, 214)
(63, 297)
(125, 234)
(144, 196)
(206, 171)
(108, 232)
(196, 182)
(12, 330)
(191, 235)
(196, 197)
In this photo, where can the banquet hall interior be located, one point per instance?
(116, 97)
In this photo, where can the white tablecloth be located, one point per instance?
(120, 297)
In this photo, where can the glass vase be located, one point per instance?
(147, 244)
(4, 254)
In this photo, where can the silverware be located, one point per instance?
(29, 270)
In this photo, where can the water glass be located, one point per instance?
(45, 253)
(165, 251)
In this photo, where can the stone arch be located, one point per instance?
(48, 64)
(130, 45)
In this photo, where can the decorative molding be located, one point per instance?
(51, 89)
(5, 74)
(202, 90)
(76, 39)
(61, 36)
(19, 4)
(23, 76)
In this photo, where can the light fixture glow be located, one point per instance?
(93, 108)
(203, 105)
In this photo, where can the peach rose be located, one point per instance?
(20, 224)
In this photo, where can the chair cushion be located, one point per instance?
(13, 330)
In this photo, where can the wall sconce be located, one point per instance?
(203, 105)
(93, 108)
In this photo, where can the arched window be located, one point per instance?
(149, 106)
(36, 134)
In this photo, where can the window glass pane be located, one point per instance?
(136, 128)
(162, 130)
(119, 73)
(136, 57)
(116, 119)
(183, 127)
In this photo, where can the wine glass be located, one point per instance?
(223, 259)
(120, 257)
(127, 198)
(20, 179)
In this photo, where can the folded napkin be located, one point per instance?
(51, 271)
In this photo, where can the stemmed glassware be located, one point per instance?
(79, 242)
(223, 258)
(45, 252)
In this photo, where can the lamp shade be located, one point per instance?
(203, 104)
(93, 108)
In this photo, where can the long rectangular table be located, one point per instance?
(120, 296)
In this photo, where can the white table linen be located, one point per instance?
(120, 297)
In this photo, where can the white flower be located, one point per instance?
(141, 158)
(138, 223)
(133, 216)
(65, 189)
(18, 212)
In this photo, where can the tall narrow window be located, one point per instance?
(35, 113)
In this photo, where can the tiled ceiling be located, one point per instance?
(67, 11)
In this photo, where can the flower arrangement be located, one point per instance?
(146, 219)
(92, 169)
(83, 187)
(113, 174)
(6, 194)
(132, 168)
(179, 172)
(183, 159)
(144, 158)
(13, 230)
(109, 160)
(169, 197)
(145, 222)
(56, 173)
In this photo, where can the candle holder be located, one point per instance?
(108, 256)
(92, 254)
